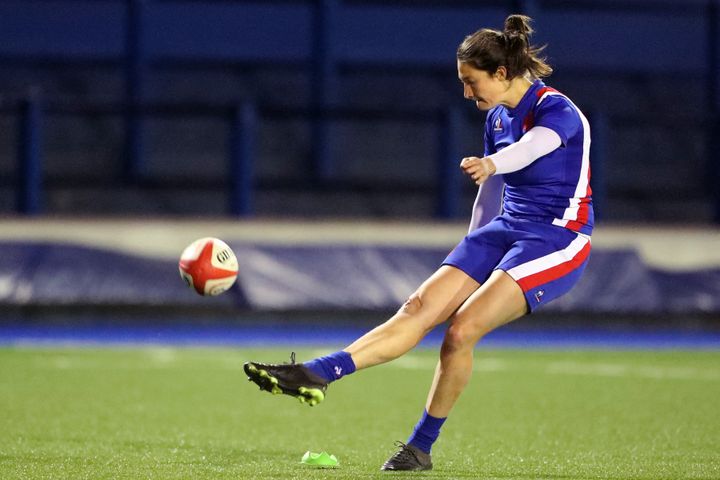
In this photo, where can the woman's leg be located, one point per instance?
(433, 303)
(497, 302)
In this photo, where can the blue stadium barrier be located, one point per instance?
(323, 277)
(279, 333)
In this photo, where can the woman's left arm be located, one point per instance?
(538, 141)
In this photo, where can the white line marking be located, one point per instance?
(597, 369)
(638, 371)
(410, 362)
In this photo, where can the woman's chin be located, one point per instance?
(482, 105)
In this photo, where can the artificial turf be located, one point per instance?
(160, 412)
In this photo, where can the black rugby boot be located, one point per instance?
(293, 379)
(408, 457)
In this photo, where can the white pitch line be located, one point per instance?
(161, 355)
(598, 369)
(421, 363)
(638, 371)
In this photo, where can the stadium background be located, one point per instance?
(321, 139)
(295, 129)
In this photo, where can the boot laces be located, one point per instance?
(405, 454)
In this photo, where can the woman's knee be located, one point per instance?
(412, 305)
(417, 314)
(462, 335)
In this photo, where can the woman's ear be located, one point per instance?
(500, 73)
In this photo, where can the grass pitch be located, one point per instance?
(189, 413)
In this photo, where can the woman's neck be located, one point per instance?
(516, 90)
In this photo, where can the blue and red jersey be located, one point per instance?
(555, 188)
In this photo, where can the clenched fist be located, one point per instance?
(479, 169)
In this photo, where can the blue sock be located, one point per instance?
(332, 367)
(426, 432)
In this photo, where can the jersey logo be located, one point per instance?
(538, 295)
(498, 127)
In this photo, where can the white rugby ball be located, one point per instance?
(209, 266)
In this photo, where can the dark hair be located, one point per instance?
(489, 49)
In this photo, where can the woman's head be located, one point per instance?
(490, 59)
(489, 49)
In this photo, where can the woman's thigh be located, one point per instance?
(498, 301)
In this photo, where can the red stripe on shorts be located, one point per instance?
(553, 273)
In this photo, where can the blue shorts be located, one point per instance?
(544, 259)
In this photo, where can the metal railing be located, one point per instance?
(243, 122)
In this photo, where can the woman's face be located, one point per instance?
(484, 88)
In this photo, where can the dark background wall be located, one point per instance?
(136, 99)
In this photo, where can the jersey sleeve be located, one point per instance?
(538, 142)
(557, 113)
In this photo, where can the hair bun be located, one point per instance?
(489, 50)
(518, 25)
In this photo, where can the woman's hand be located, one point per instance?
(479, 169)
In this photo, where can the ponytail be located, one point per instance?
(489, 49)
